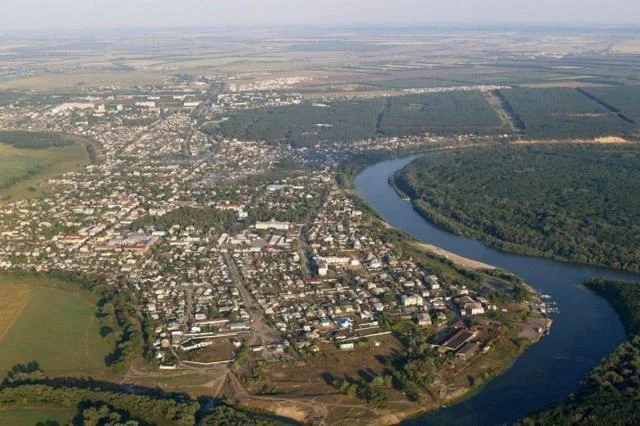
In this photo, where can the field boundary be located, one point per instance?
(17, 315)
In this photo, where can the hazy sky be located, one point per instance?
(55, 14)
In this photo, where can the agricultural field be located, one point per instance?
(563, 113)
(51, 322)
(29, 416)
(25, 164)
(440, 113)
(76, 80)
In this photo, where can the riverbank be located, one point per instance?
(458, 260)
(306, 401)
(435, 378)
(609, 394)
(585, 329)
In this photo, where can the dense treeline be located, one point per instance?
(571, 202)
(224, 415)
(136, 336)
(610, 394)
(110, 404)
(99, 413)
(104, 403)
(417, 367)
(624, 297)
(34, 140)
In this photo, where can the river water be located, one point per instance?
(585, 330)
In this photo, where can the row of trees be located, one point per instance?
(373, 392)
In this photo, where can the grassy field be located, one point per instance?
(82, 80)
(51, 322)
(26, 416)
(23, 170)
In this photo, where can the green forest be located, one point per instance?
(610, 394)
(440, 113)
(623, 98)
(565, 113)
(305, 124)
(537, 113)
(350, 120)
(571, 202)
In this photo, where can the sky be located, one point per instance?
(86, 14)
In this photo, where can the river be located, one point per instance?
(584, 331)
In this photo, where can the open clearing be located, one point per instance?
(51, 322)
(22, 170)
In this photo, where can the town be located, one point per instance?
(234, 259)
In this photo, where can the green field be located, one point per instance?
(23, 170)
(26, 416)
(51, 322)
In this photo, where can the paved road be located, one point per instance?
(261, 332)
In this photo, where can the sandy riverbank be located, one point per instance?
(455, 258)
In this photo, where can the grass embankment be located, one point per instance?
(52, 322)
(27, 160)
